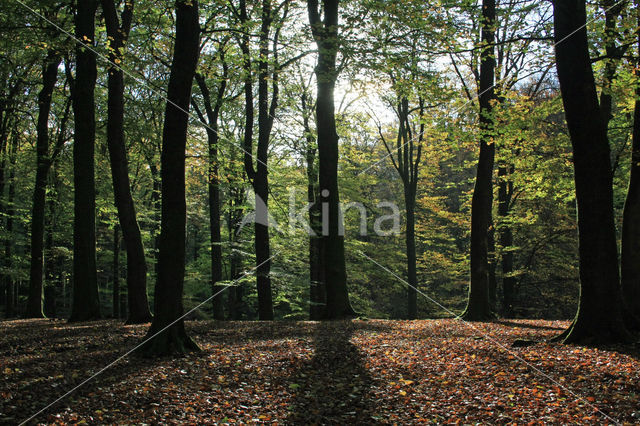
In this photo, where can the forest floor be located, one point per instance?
(358, 372)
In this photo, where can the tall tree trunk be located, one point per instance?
(10, 284)
(136, 262)
(86, 305)
(49, 78)
(317, 296)
(478, 304)
(631, 215)
(213, 183)
(599, 318)
(412, 279)
(116, 272)
(167, 334)
(505, 191)
(325, 33)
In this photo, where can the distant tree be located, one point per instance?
(44, 159)
(324, 27)
(478, 304)
(167, 323)
(118, 32)
(599, 318)
(86, 305)
(210, 117)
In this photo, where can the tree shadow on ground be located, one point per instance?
(333, 386)
(526, 325)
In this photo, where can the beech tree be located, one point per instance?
(86, 305)
(478, 304)
(324, 27)
(167, 334)
(599, 317)
(630, 256)
(118, 32)
(44, 159)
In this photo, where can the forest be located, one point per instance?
(320, 211)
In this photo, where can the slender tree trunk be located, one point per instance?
(631, 215)
(325, 32)
(10, 284)
(167, 334)
(136, 261)
(86, 305)
(599, 317)
(49, 78)
(213, 183)
(478, 304)
(116, 272)
(412, 279)
(156, 203)
(505, 189)
(317, 296)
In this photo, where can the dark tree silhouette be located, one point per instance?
(167, 334)
(118, 32)
(86, 305)
(478, 304)
(599, 318)
(324, 27)
(43, 164)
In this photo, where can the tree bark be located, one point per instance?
(10, 284)
(599, 317)
(167, 334)
(136, 261)
(478, 304)
(631, 215)
(116, 272)
(213, 183)
(43, 164)
(86, 305)
(325, 33)
(505, 191)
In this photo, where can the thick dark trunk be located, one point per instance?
(412, 279)
(631, 216)
(167, 334)
(43, 163)
(325, 32)
(505, 190)
(86, 305)
(478, 305)
(599, 318)
(116, 272)
(136, 262)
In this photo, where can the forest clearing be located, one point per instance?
(319, 211)
(339, 372)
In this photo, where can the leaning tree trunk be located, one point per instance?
(86, 304)
(631, 216)
(478, 304)
(325, 33)
(49, 78)
(167, 334)
(138, 305)
(599, 318)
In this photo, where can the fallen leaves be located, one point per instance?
(305, 372)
